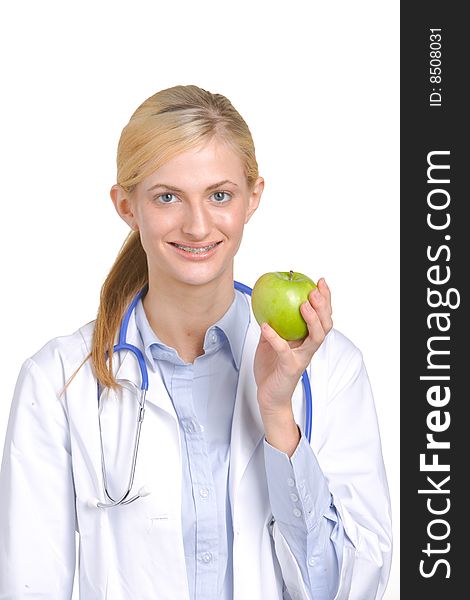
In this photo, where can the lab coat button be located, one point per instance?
(290, 482)
(207, 557)
(311, 562)
(297, 512)
(203, 492)
(294, 497)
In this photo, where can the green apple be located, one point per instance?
(276, 300)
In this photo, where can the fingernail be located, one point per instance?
(308, 306)
(316, 294)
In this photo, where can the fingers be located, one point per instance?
(320, 299)
(316, 331)
(324, 289)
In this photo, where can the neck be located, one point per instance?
(180, 314)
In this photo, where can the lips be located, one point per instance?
(198, 245)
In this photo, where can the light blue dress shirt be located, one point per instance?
(203, 394)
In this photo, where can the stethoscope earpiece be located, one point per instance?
(95, 503)
(144, 491)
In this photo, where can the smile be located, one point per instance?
(196, 251)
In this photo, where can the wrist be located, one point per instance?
(281, 431)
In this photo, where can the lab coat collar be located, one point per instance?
(247, 425)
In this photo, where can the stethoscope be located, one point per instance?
(141, 396)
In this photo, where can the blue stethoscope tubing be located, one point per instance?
(124, 345)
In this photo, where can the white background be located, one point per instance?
(317, 83)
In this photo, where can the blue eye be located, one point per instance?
(164, 197)
(219, 196)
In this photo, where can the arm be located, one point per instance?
(349, 462)
(37, 499)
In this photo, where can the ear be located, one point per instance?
(124, 206)
(255, 197)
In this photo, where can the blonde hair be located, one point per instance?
(169, 122)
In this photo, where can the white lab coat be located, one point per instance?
(52, 467)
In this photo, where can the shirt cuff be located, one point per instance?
(298, 490)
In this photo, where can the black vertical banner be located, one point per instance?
(435, 268)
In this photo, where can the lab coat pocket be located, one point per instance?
(289, 568)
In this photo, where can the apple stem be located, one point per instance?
(291, 274)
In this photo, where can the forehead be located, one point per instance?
(202, 165)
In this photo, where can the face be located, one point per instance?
(191, 213)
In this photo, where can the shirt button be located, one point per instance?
(296, 512)
(203, 492)
(192, 426)
(290, 482)
(311, 562)
(294, 497)
(213, 337)
(207, 557)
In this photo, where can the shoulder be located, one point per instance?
(62, 355)
(45, 373)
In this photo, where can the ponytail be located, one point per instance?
(127, 276)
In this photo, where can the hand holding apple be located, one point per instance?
(279, 363)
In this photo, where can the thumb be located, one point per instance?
(267, 332)
(277, 343)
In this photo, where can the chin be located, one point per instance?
(203, 276)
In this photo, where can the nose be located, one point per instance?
(197, 221)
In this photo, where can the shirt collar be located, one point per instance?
(231, 327)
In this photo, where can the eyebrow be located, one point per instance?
(173, 187)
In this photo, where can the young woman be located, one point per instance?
(217, 494)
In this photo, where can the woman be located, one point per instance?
(229, 500)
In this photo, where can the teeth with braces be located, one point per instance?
(196, 250)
